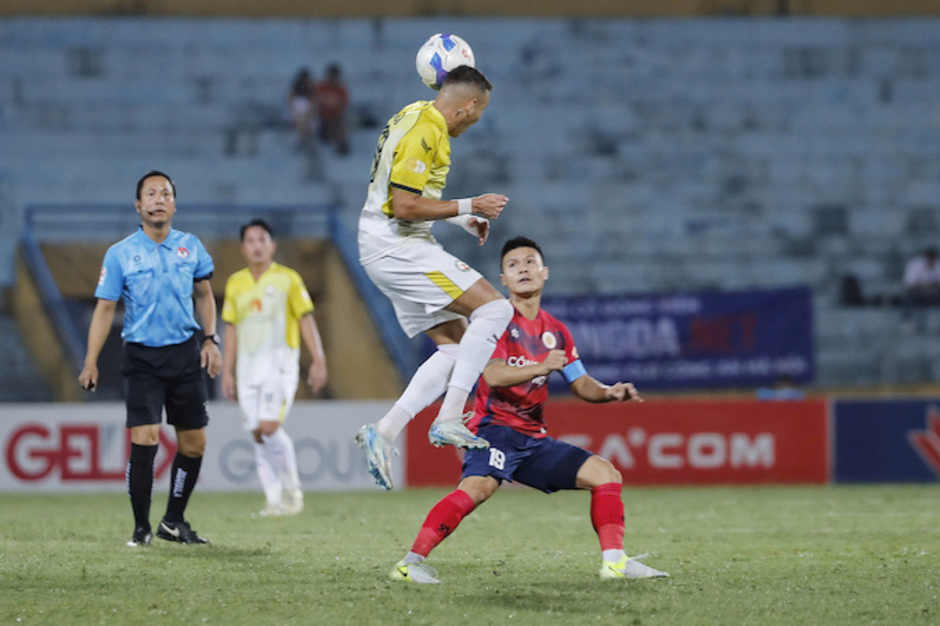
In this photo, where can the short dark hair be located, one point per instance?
(519, 242)
(151, 174)
(255, 222)
(464, 74)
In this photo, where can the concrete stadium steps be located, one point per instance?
(644, 155)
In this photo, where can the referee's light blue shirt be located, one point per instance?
(156, 282)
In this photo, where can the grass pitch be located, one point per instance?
(771, 555)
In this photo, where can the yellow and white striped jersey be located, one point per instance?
(266, 314)
(413, 153)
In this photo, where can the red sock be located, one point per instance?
(607, 515)
(442, 521)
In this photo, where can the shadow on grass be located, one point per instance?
(212, 552)
(568, 597)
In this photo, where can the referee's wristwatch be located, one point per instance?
(213, 338)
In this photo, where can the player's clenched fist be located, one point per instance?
(489, 205)
(555, 360)
(621, 392)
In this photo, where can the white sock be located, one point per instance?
(267, 474)
(426, 386)
(285, 458)
(487, 325)
(613, 556)
(413, 557)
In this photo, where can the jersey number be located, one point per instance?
(378, 152)
(497, 459)
(381, 144)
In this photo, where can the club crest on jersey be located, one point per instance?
(548, 339)
(102, 275)
(463, 267)
(416, 166)
(182, 252)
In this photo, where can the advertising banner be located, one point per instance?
(694, 442)
(68, 447)
(887, 441)
(693, 340)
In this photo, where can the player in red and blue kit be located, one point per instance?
(508, 413)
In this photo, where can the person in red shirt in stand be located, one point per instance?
(332, 99)
(508, 412)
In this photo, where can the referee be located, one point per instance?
(158, 271)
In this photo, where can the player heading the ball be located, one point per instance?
(432, 291)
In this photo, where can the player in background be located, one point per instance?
(508, 412)
(432, 291)
(162, 275)
(267, 311)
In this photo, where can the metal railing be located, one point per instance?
(97, 222)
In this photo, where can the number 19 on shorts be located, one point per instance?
(497, 459)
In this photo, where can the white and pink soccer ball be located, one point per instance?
(439, 55)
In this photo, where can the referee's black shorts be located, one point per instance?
(169, 376)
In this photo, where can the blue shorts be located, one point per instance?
(545, 464)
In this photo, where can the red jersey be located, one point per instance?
(520, 407)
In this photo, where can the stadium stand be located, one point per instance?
(649, 155)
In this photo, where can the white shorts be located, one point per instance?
(269, 401)
(421, 278)
(300, 107)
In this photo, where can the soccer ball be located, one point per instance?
(439, 55)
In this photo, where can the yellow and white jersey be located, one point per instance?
(266, 314)
(413, 154)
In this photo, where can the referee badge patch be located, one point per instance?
(182, 252)
(548, 339)
(463, 267)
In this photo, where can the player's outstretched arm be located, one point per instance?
(590, 389)
(500, 374)
(101, 321)
(411, 206)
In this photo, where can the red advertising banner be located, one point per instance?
(674, 442)
(85, 447)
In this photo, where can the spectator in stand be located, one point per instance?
(302, 109)
(332, 99)
(921, 285)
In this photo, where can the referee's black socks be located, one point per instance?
(182, 482)
(140, 482)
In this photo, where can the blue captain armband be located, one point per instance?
(573, 371)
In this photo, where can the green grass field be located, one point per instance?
(772, 555)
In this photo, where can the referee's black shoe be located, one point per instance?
(179, 532)
(142, 537)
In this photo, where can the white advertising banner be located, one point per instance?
(84, 447)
